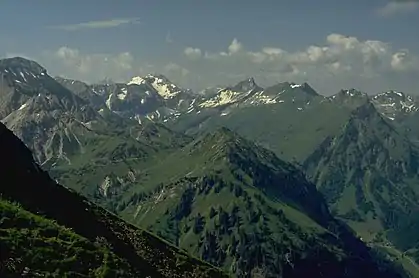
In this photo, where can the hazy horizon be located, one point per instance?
(330, 44)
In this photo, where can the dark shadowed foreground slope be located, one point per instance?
(46, 229)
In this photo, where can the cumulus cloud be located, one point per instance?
(403, 61)
(76, 64)
(101, 24)
(398, 7)
(73, 63)
(175, 69)
(192, 53)
(338, 52)
(340, 57)
(272, 51)
(339, 62)
(235, 47)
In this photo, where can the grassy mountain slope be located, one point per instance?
(114, 159)
(53, 223)
(28, 240)
(368, 173)
(238, 206)
(291, 120)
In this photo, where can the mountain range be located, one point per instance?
(42, 221)
(242, 177)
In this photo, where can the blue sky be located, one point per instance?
(332, 44)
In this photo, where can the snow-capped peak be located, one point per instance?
(163, 86)
(400, 94)
(136, 80)
(394, 104)
(225, 97)
(390, 94)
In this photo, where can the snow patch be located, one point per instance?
(23, 106)
(137, 80)
(388, 104)
(23, 76)
(225, 97)
(108, 101)
(123, 94)
(166, 90)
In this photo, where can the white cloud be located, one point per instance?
(342, 52)
(193, 53)
(272, 51)
(73, 63)
(175, 69)
(76, 64)
(340, 61)
(404, 62)
(398, 7)
(257, 57)
(235, 47)
(341, 40)
(102, 24)
(346, 58)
